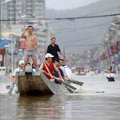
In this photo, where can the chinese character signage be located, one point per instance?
(110, 52)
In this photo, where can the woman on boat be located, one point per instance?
(51, 66)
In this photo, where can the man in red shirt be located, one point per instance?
(51, 66)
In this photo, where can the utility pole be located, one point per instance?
(0, 19)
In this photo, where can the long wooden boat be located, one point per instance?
(36, 83)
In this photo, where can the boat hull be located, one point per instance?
(37, 84)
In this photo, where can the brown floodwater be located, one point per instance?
(59, 107)
(98, 100)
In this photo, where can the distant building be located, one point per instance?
(30, 8)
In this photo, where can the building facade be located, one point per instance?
(30, 8)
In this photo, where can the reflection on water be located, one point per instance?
(45, 107)
(59, 107)
(78, 106)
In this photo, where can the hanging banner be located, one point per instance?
(116, 60)
(110, 52)
(102, 57)
(0, 57)
(106, 55)
(22, 45)
(118, 46)
(114, 49)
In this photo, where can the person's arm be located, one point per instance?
(36, 41)
(67, 77)
(48, 49)
(57, 70)
(62, 74)
(41, 68)
(13, 79)
(62, 54)
(64, 79)
(58, 49)
(23, 33)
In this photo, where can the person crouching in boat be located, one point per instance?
(111, 76)
(57, 64)
(66, 70)
(20, 68)
(51, 66)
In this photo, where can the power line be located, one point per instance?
(68, 18)
(108, 22)
(84, 39)
(82, 45)
(77, 29)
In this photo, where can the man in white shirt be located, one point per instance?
(66, 70)
(20, 68)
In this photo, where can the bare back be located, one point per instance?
(29, 43)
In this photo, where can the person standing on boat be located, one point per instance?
(66, 70)
(30, 48)
(57, 63)
(54, 49)
(51, 66)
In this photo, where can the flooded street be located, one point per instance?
(97, 99)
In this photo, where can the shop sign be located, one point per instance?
(2, 51)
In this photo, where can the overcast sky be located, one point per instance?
(67, 4)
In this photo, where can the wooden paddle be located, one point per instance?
(32, 41)
(76, 82)
(11, 89)
(64, 83)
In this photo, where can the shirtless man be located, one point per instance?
(30, 48)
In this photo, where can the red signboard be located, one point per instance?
(2, 51)
(118, 45)
(114, 49)
(22, 45)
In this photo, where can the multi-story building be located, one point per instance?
(31, 8)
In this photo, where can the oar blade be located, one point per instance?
(11, 89)
(71, 91)
(76, 82)
(74, 88)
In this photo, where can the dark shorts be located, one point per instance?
(30, 53)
